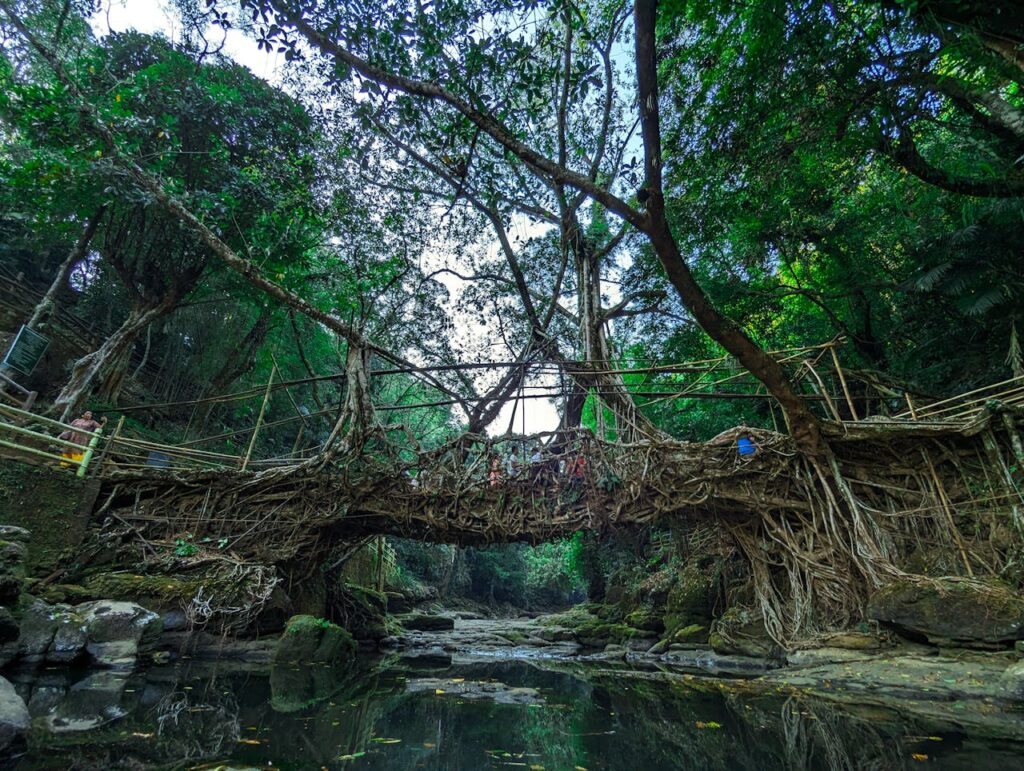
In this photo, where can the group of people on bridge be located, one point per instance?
(539, 468)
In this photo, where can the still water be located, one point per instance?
(431, 713)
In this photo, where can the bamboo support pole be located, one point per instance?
(34, 451)
(842, 380)
(910, 404)
(83, 466)
(110, 442)
(820, 388)
(46, 437)
(259, 420)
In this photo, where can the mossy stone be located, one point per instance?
(950, 610)
(307, 639)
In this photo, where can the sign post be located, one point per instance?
(26, 351)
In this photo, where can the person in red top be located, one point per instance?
(494, 473)
(81, 437)
(577, 470)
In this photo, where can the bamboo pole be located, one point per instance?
(83, 465)
(822, 390)
(910, 403)
(259, 420)
(33, 451)
(110, 442)
(842, 380)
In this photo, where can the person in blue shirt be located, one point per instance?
(746, 446)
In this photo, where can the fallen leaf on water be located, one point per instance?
(579, 768)
(919, 756)
(353, 756)
(709, 724)
(438, 690)
(935, 738)
(382, 740)
(536, 767)
(458, 679)
(249, 741)
(141, 735)
(429, 745)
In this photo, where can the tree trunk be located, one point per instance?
(115, 349)
(46, 306)
(610, 389)
(803, 423)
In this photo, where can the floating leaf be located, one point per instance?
(438, 690)
(382, 740)
(353, 756)
(429, 745)
(919, 756)
(709, 724)
(249, 741)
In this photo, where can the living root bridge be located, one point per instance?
(889, 488)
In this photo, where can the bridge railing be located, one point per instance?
(24, 435)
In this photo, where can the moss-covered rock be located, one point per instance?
(741, 631)
(425, 623)
(647, 620)
(307, 639)
(689, 602)
(363, 611)
(54, 505)
(950, 610)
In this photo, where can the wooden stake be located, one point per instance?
(259, 420)
(842, 380)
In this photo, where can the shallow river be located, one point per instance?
(432, 712)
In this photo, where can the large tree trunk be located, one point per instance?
(116, 349)
(610, 389)
(803, 423)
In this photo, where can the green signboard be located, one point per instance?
(26, 351)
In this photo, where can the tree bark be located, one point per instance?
(99, 363)
(723, 330)
(46, 306)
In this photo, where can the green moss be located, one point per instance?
(53, 505)
(307, 639)
(646, 620)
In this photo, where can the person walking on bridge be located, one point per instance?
(85, 425)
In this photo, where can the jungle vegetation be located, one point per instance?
(465, 181)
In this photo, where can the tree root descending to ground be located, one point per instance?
(817, 533)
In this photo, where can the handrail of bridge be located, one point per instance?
(25, 440)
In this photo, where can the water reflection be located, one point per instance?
(432, 714)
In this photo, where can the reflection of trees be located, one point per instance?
(195, 726)
(824, 738)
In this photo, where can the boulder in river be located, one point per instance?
(14, 717)
(741, 631)
(117, 632)
(420, 622)
(307, 639)
(950, 611)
